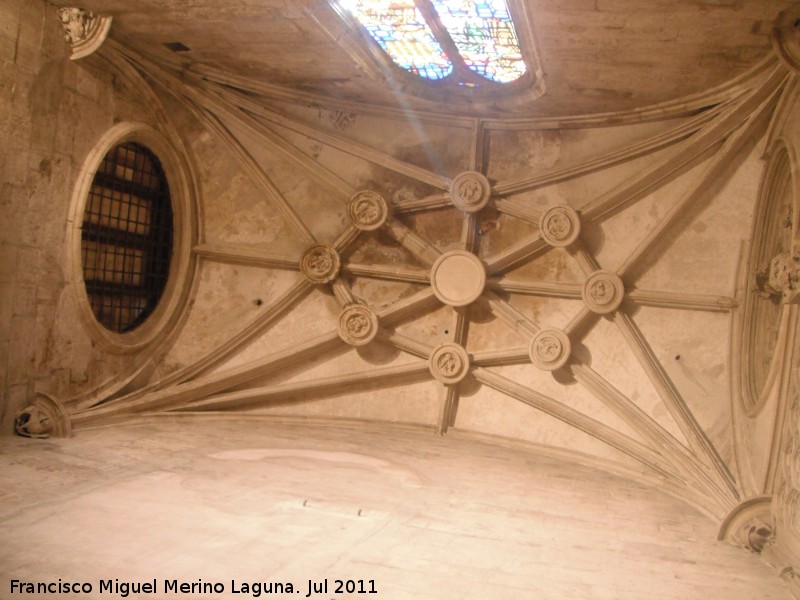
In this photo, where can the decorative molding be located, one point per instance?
(320, 264)
(449, 363)
(603, 292)
(245, 255)
(367, 210)
(771, 281)
(411, 241)
(325, 387)
(513, 317)
(171, 308)
(681, 414)
(470, 191)
(358, 325)
(42, 418)
(84, 30)
(756, 101)
(560, 225)
(550, 349)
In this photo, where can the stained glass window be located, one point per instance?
(484, 35)
(418, 34)
(403, 33)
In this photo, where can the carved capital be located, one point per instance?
(449, 363)
(470, 191)
(358, 325)
(43, 417)
(550, 349)
(320, 264)
(603, 292)
(84, 30)
(560, 225)
(367, 210)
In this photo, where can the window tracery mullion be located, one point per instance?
(460, 69)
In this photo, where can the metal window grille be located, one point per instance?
(127, 237)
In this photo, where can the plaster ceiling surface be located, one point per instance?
(595, 55)
(422, 517)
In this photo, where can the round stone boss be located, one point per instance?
(358, 325)
(320, 264)
(470, 191)
(367, 210)
(449, 363)
(458, 278)
(560, 225)
(603, 292)
(550, 349)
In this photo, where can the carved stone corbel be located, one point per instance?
(84, 30)
(42, 418)
(781, 278)
(750, 525)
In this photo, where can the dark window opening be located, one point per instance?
(126, 237)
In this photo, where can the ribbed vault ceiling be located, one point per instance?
(539, 298)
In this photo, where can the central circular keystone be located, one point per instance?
(458, 278)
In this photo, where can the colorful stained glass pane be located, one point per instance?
(403, 33)
(484, 35)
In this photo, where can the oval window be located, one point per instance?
(126, 237)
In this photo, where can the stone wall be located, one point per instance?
(52, 112)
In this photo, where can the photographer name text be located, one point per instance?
(176, 587)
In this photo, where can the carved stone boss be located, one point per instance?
(560, 225)
(550, 349)
(449, 363)
(84, 30)
(367, 210)
(603, 292)
(358, 325)
(320, 264)
(470, 191)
